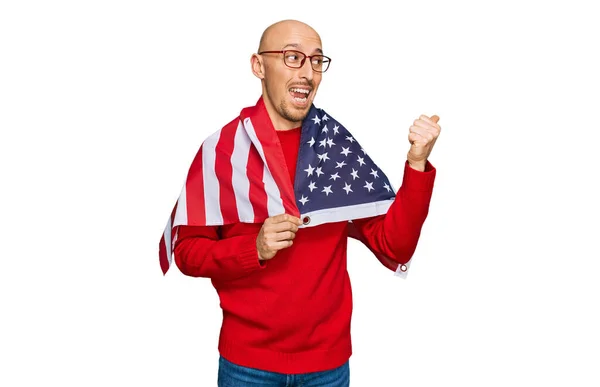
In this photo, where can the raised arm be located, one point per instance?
(397, 233)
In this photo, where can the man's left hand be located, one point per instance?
(422, 136)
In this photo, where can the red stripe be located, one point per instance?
(163, 257)
(196, 213)
(276, 162)
(224, 172)
(257, 194)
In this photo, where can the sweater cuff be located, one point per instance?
(417, 180)
(247, 257)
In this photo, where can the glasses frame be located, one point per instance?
(303, 59)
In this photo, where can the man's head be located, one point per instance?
(284, 89)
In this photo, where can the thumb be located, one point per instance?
(435, 118)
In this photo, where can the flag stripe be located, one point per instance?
(241, 182)
(224, 172)
(165, 247)
(274, 201)
(272, 153)
(357, 211)
(256, 193)
(181, 215)
(162, 254)
(195, 200)
(211, 182)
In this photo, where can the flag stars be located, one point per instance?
(387, 187)
(325, 129)
(374, 173)
(335, 176)
(309, 170)
(311, 142)
(319, 172)
(327, 190)
(347, 188)
(336, 129)
(350, 138)
(325, 118)
(369, 186)
(323, 157)
(340, 165)
(361, 161)
(312, 186)
(317, 120)
(354, 174)
(303, 200)
(330, 142)
(323, 143)
(346, 151)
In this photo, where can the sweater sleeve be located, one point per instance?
(396, 234)
(200, 252)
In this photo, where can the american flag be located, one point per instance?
(239, 175)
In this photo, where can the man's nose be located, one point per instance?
(306, 71)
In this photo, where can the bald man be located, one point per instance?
(283, 286)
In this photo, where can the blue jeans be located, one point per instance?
(233, 375)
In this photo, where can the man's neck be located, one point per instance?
(279, 123)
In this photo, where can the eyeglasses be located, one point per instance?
(295, 59)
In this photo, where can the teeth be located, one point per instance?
(300, 90)
(300, 99)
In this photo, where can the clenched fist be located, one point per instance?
(422, 136)
(276, 233)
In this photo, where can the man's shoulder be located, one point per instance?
(235, 121)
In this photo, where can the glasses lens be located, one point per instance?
(320, 63)
(293, 58)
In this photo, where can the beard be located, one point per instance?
(289, 113)
(293, 115)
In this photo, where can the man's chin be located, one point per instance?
(295, 113)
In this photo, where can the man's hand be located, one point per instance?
(276, 233)
(422, 136)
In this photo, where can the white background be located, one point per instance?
(104, 104)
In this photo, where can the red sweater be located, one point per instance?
(291, 314)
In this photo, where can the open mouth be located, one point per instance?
(300, 94)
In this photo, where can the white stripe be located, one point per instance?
(211, 183)
(241, 183)
(181, 211)
(167, 235)
(338, 214)
(274, 201)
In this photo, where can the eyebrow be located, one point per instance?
(296, 45)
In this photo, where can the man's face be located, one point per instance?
(291, 91)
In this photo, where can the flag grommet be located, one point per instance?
(403, 268)
(306, 220)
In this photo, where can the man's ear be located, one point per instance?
(258, 68)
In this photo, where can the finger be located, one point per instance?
(285, 218)
(284, 236)
(427, 131)
(424, 133)
(283, 226)
(423, 124)
(433, 120)
(416, 139)
(275, 246)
